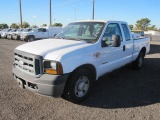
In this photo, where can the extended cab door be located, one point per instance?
(112, 57)
(128, 46)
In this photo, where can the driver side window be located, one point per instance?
(112, 28)
(40, 30)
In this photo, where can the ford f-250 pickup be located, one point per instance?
(67, 65)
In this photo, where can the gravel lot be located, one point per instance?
(121, 95)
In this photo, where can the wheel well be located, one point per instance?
(143, 50)
(31, 35)
(89, 67)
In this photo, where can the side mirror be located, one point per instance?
(116, 40)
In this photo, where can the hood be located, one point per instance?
(27, 32)
(4, 33)
(11, 33)
(52, 48)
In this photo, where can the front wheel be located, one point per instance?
(78, 86)
(31, 38)
(138, 63)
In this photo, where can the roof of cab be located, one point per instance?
(105, 21)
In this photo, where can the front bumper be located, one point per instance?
(16, 37)
(9, 36)
(3, 35)
(50, 85)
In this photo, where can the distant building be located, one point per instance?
(152, 32)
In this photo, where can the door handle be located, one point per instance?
(124, 47)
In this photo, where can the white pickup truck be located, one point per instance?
(68, 64)
(40, 33)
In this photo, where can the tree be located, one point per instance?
(25, 24)
(34, 26)
(57, 25)
(153, 27)
(44, 25)
(14, 25)
(143, 24)
(3, 26)
(131, 27)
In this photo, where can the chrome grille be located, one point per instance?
(28, 63)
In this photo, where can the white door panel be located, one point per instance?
(114, 57)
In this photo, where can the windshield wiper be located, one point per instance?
(78, 39)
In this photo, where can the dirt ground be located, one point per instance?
(124, 94)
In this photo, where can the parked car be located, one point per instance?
(41, 33)
(25, 33)
(10, 33)
(1, 32)
(5, 33)
(68, 64)
(16, 35)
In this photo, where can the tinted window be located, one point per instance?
(44, 30)
(40, 30)
(126, 32)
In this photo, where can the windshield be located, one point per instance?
(82, 31)
(19, 30)
(8, 30)
(27, 30)
(13, 30)
(35, 29)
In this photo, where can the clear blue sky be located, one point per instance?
(63, 11)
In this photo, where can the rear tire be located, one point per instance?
(138, 63)
(78, 86)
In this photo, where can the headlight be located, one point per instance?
(52, 67)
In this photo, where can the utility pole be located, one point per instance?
(20, 12)
(50, 13)
(34, 20)
(93, 11)
(75, 13)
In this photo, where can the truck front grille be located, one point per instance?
(28, 63)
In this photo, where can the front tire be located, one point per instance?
(138, 63)
(31, 38)
(78, 86)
